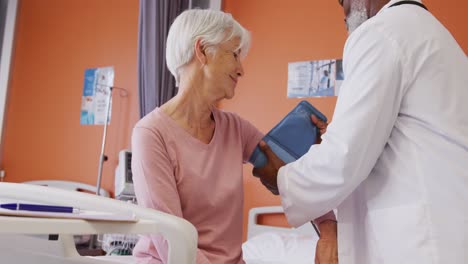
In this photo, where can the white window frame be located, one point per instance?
(6, 50)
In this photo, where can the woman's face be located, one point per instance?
(224, 68)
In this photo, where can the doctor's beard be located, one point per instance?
(356, 17)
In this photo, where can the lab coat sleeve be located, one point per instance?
(155, 183)
(365, 113)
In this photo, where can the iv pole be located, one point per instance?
(102, 156)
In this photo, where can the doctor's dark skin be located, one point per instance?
(373, 6)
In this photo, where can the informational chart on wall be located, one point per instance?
(96, 99)
(315, 78)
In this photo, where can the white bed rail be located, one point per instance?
(180, 234)
(70, 185)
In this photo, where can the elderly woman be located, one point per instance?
(187, 154)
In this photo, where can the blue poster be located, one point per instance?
(96, 97)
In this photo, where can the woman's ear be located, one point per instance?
(200, 53)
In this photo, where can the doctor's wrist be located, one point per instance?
(328, 229)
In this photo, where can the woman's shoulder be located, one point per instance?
(230, 118)
(153, 131)
(154, 120)
(227, 116)
(233, 123)
(154, 125)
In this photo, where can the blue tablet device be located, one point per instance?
(292, 137)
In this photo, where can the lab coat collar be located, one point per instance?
(393, 2)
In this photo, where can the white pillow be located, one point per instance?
(279, 248)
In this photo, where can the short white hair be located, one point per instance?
(211, 26)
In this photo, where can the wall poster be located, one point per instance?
(315, 78)
(96, 97)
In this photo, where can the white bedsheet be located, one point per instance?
(118, 259)
(266, 248)
(284, 248)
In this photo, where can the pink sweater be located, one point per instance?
(175, 173)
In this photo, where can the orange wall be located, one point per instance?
(56, 41)
(287, 31)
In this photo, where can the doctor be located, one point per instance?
(394, 158)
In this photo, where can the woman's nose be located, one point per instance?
(240, 70)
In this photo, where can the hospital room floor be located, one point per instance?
(86, 251)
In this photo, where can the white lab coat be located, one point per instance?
(394, 160)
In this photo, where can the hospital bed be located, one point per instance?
(279, 245)
(20, 243)
(70, 185)
(81, 241)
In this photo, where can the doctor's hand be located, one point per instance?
(327, 246)
(321, 125)
(269, 173)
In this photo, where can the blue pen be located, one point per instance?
(39, 208)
